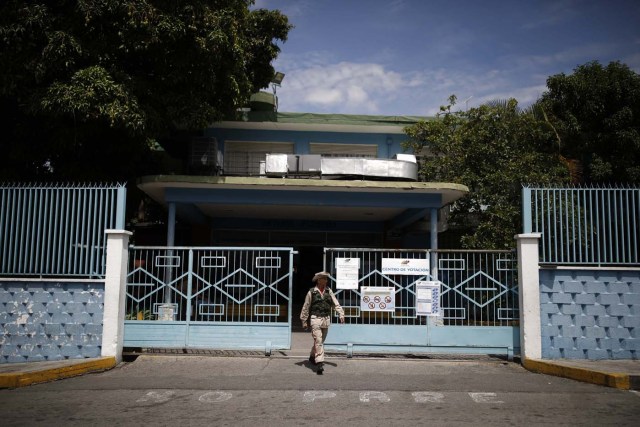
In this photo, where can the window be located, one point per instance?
(242, 158)
(344, 150)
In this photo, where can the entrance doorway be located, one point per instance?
(306, 263)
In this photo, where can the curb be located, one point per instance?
(610, 379)
(21, 379)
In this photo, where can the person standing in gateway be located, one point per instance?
(317, 311)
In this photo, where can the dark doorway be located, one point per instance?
(306, 263)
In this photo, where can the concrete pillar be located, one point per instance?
(529, 295)
(433, 233)
(114, 293)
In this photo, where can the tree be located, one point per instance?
(597, 113)
(86, 85)
(493, 149)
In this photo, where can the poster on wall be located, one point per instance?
(427, 298)
(377, 298)
(405, 266)
(347, 273)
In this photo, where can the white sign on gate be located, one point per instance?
(377, 298)
(405, 266)
(427, 298)
(347, 273)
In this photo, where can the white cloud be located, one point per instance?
(345, 87)
(370, 88)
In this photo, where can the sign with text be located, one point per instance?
(427, 298)
(405, 266)
(377, 298)
(347, 273)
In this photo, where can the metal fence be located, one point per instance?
(478, 288)
(245, 285)
(56, 230)
(591, 226)
(370, 274)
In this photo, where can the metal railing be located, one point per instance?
(218, 284)
(370, 274)
(590, 226)
(57, 230)
(478, 288)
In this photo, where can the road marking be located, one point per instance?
(427, 396)
(366, 396)
(310, 396)
(157, 396)
(215, 397)
(484, 398)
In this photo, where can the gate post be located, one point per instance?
(114, 293)
(529, 296)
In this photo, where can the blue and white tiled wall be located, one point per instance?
(53, 320)
(590, 314)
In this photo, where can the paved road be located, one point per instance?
(193, 390)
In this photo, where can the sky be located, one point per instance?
(406, 57)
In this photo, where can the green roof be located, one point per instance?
(333, 119)
(349, 119)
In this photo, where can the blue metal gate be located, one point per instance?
(209, 297)
(478, 304)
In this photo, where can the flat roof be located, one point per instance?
(350, 123)
(286, 198)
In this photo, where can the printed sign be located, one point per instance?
(377, 298)
(427, 298)
(347, 273)
(405, 266)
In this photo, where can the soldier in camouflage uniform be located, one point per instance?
(317, 311)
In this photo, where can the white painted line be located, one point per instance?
(310, 396)
(366, 396)
(215, 397)
(157, 396)
(484, 398)
(427, 396)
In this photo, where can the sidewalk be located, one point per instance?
(621, 374)
(14, 375)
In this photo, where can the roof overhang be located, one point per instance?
(396, 204)
(309, 127)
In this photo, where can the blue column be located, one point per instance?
(171, 238)
(434, 242)
(171, 225)
(526, 210)
(121, 203)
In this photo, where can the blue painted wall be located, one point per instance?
(590, 314)
(53, 320)
(388, 144)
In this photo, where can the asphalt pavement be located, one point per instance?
(252, 389)
(620, 374)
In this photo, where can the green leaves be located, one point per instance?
(92, 94)
(597, 113)
(144, 69)
(493, 149)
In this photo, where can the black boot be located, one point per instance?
(320, 368)
(312, 360)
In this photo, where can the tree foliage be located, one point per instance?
(597, 113)
(493, 149)
(86, 84)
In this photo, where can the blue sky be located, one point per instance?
(405, 57)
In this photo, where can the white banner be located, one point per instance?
(347, 273)
(405, 266)
(427, 298)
